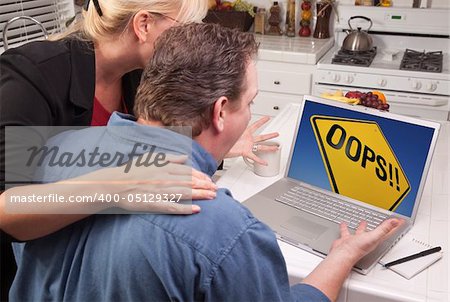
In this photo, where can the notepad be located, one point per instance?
(405, 247)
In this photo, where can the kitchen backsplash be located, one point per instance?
(407, 3)
(396, 3)
(283, 3)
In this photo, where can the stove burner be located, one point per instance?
(422, 61)
(354, 58)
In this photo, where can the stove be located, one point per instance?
(354, 58)
(422, 61)
(410, 67)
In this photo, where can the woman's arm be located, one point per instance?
(29, 96)
(24, 217)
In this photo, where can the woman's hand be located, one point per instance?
(245, 145)
(31, 220)
(147, 189)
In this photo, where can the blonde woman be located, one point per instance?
(79, 79)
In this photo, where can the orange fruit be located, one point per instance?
(381, 96)
(306, 15)
(212, 4)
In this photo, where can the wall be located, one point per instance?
(408, 3)
(283, 4)
(399, 3)
(396, 3)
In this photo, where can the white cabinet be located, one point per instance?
(285, 70)
(269, 103)
(281, 83)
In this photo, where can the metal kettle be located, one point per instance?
(358, 40)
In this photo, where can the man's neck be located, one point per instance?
(149, 122)
(204, 139)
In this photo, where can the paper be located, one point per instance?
(406, 247)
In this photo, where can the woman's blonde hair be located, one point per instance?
(117, 15)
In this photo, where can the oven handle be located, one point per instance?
(421, 101)
(392, 97)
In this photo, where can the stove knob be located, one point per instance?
(431, 86)
(416, 85)
(335, 77)
(349, 79)
(382, 82)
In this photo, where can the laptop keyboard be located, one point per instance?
(330, 207)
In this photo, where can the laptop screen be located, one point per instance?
(375, 158)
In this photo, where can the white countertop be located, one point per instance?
(432, 225)
(301, 50)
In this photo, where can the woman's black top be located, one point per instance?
(48, 83)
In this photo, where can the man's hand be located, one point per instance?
(330, 274)
(244, 146)
(353, 247)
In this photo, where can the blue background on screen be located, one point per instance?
(409, 142)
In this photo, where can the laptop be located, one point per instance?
(347, 163)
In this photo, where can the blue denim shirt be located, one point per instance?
(221, 254)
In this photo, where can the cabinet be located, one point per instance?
(285, 70)
(281, 83)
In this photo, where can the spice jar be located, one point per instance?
(290, 19)
(274, 20)
(322, 30)
(305, 22)
(260, 21)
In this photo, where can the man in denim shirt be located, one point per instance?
(201, 76)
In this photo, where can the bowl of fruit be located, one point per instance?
(238, 14)
(373, 99)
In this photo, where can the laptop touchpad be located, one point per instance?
(304, 227)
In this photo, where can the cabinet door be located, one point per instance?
(267, 103)
(285, 82)
(284, 77)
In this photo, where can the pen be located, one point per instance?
(414, 256)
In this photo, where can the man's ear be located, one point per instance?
(219, 114)
(141, 25)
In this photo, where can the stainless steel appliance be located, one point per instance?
(409, 62)
(358, 40)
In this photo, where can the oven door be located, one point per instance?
(418, 105)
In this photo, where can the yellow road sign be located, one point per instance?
(360, 162)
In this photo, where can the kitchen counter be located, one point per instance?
(432, 225)
(285, 70)
(301, 50)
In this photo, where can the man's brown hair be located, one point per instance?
(192, 66)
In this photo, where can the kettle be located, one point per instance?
(358, 40)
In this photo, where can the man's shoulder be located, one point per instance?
(68, 135)
(63, 156)
(228, 208)
(215, 230)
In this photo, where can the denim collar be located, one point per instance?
(124, 126)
